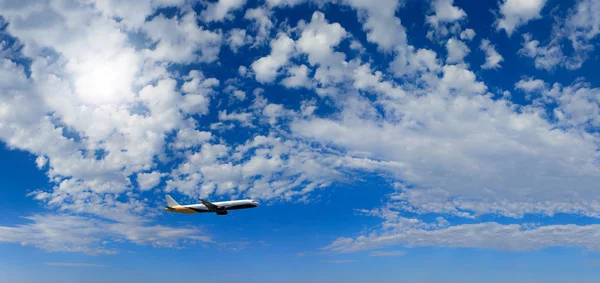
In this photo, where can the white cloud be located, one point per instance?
(516, 13)
(386, 30)
(467, 34)
(580, 27)
(243, 118)
(92, 236)
(459, 79)
(489, 235)
(41, 161)
(180, 40)
(238, 38)
(189, 137)
(579, 104)
(357, 46)
(457, 50)
(240, 95)
(286, 168)
(583, 24)
(471, 153)
(409, 62)
(380, 22)
(232, 90)
(148, 181)
(445, 14)
(299, 77)
(218, 11)
(364, 79)
(445, 11)
(531, 85)
(266, 68)
(99, 110)
(546, 57)
(98, 113)
(261, 23)
(132, 13)
(242, 70)
(275, 3)
(318, 39)
(492, 58)
(197, 90)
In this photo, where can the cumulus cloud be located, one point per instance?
(580, 27)
(132, 13)
(457, 50)
(298, 77)
(492, 57)
(221, 10)
(219, 169)
(364, 79)
(99, 112)
(102, 114)
(235, 92)
(467, 34)
(266, 68)
(243, 118)
(515, 13)
(546, 57)
(181, 40)
(261, 22)
(417, 125)
(41, 161)
(445, 13)
(579, 104)
(380, 22)
(583, 24)
(148, 181)
(457, 78)
(530, 85)
(238, 38)
(319, 37)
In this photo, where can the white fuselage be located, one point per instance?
(222, 206)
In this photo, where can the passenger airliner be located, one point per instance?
(220, 208)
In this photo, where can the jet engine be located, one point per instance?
(222, 212)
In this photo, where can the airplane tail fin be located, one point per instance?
(170, 201)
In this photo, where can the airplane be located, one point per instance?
(220, 208)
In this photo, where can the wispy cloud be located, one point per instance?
(74, 264)
(339, 261)
(69, 233)
(390, 253)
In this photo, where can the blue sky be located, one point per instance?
(418, 141)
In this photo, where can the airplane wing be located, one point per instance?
(209, 205)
